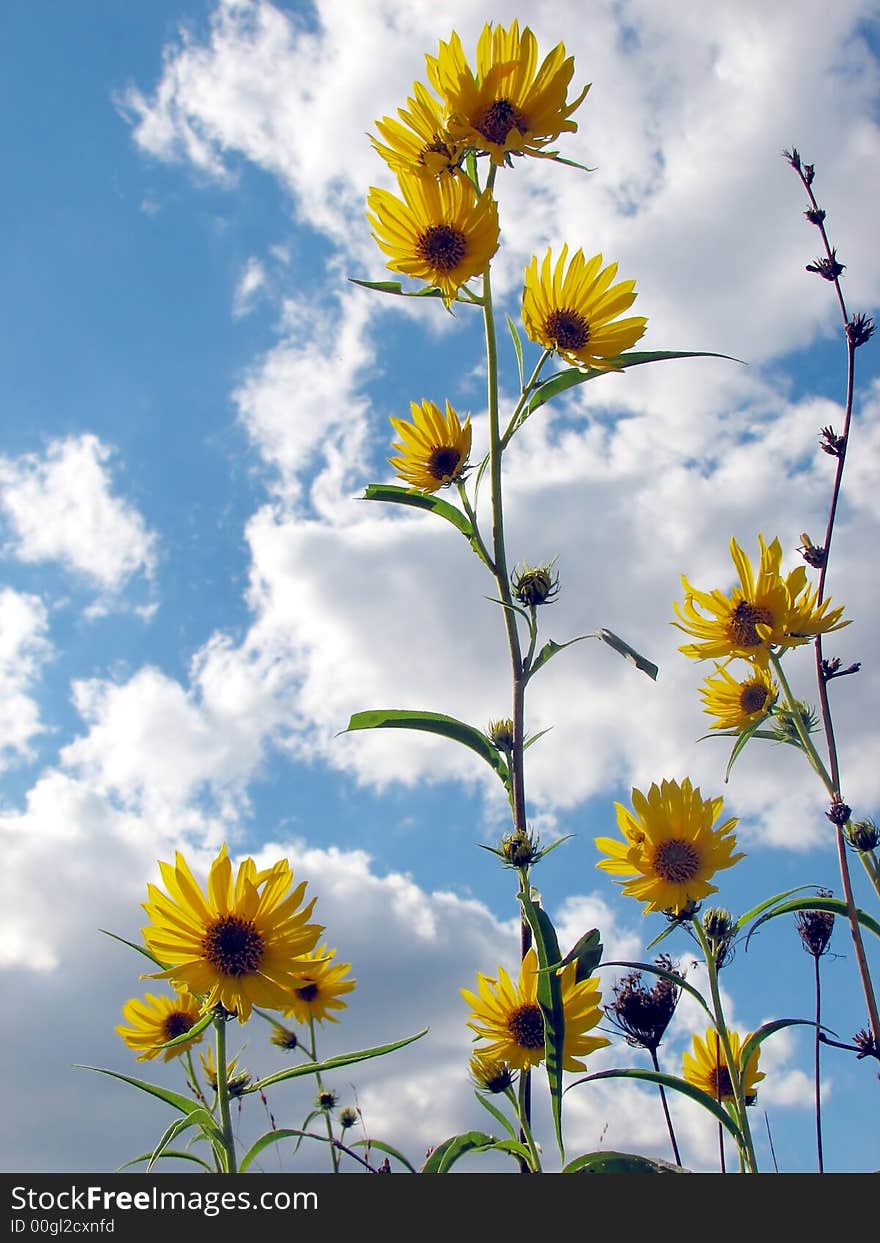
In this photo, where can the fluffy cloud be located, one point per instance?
(23, 648)
(60, 506)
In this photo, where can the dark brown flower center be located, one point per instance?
(741, 627)
(722, 1088)
(442, 246)
(567, 329)
(308, 992)
(233, 946)
(498, 120)
(443, 462)
(176, 1023)
(753, 697)
(676, 861)
(526, 1026)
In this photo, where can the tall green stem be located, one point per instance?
(228, 1139)
(334, 1155)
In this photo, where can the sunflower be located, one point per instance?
(242, 944)
(442, 233)
(706, 1067)
(738, 704)
(156, 1020)
(763, 612)
(488, 1074)
(575, 312)
(421, 144)
(512, 1021)
(434, 447)
(510, 106)
(670, 848)
(320, 985)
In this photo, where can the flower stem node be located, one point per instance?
(838, 813)
(811, 553)
(827, 266)
(535, 585)
(863, 835)
(520, 849)
(501, 733)
(815, 215)
(859, 330)
(831, 443)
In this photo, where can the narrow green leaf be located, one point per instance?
(587, 953)
(561, 159)
(763, 906)
(630, 653)
(517, 345)
(196, 1030)
(451, 1150)
(661, 936)
(334, 1063)
(739, 745)
(369, 1144)
(549, 997)
(199, 1117)
(527, 743)
(174, 1099)
(141, 949)
(550, 649)
(757, 1038)
(563, 380)
(621, 1163)
(395, 287)
(258, 1146)
(496, 1113)
(170, 1154)
(677, 1085)
(677, 980)
(434, 723)
(834, 905)
(394, 495)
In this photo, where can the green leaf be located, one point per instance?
(749, 732)
(563, 380)
(645, 666)
(834, 905)
(677, 1085)
(386, 1148)
(451, 1150)
(587, 953)
(496, 1113)
(561, 159)
(395, 495)
(174, 1099)
(677, 980)
(333, 1063)
(199, 1117)
(434, 723)
(517, 345)
(757, 1038)
(550, 649)
(526, 744)
(258, 1146)
(140, 948)
(763, 906)
(621, 1163)
(549, 997)
(168, 1155)
(197, 1028)
(395, 287)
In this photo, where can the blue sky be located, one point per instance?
(193, 601)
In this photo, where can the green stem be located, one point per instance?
(514, 423)
(334, 1155)
(228, 1139)
(803, 733)
(471, 513)
(522, 1113)
(733, 1069)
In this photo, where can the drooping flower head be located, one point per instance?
(509, 1017)
(511, 105)
(764, 611)
(441, 232)
(153, 1021)
(240, 944)
(671, 848)
(321, 985)
(434, 448)
(419, 142)
(737, 704)
(575, 310)
(705, 1066)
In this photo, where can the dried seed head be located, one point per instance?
(815, 928)
(643, 1014)
(859, 330)
(838, 813)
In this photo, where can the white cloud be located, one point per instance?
(24, 647)
(60, 506)
(251, 281)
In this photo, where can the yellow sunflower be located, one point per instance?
(422, 143)
(511, 106)
(442, 232)
(434, 447)
(738, 704)
(706, 1067)
(242, 944)
(575, 311)
(763, 612)
(153, 1021)
(321, 984)
(488, 1074)
(512, 1021)
(671, 848)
